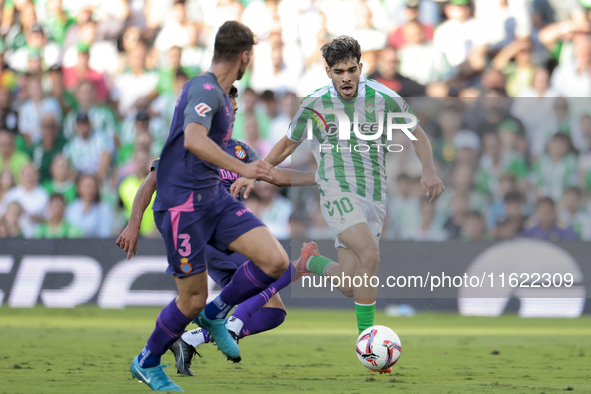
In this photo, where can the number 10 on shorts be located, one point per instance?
(343, 206)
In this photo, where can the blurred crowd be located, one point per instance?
(88, 89)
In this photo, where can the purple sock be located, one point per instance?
(251, 306)
(248, 281)
(264, 320)
(170, 325)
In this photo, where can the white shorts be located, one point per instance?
(343, 210)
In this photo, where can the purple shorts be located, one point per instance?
(187, 230)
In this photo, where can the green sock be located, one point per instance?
(318, 264)
(365, 316)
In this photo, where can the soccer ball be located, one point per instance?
(378, 348)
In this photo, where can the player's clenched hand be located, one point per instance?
(257, 170)
(241, 182)
(432, 186)
(128, 240)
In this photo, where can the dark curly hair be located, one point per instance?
(341, 49)
(233, 92)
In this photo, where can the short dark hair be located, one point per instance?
(546, 200)
(575, 190)
(513, 197)
(267, 96)
(474, 215)
(233, 92)
(341, 49)
(232, 39)
(57, 196)
(181, 74)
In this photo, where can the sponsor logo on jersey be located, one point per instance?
(240, 153)
(202, 109)
(208, 86)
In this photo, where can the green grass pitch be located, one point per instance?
(88, 350)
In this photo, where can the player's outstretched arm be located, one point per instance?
(128, 238)
(282, 177)
(285, 177)
(430, 182)
(198, 143)
(281, 151)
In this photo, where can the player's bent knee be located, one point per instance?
(275, 263)
(192, 304)
(369, 260)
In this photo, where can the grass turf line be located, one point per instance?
(89, 350)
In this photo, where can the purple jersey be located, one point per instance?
(235, 148)
(180, 172)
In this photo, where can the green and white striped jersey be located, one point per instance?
(354, 165)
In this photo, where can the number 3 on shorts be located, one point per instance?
(185, 248)
(345, 206)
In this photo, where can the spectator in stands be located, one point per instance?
(58, 91)
(102, 117)
(573, 78)
(449, 123)
(556, 170)
(133, 128)
(61, 179)
(88, 212)
(460, 204)
(274, 209)
(494, 163)
(502, 186)
(403, 208)
(167, 74)
(10, 158)
(56, 226)
(397, 39)
(174, 32)
(33, 109)
(546, 226)
(474, 227)
(8, 114)
(467, 146)
(253, 137)
(32, 198)
(428, 229)
(89, 151)
(6, 183)
(388, 75)
(51, 144)
(515, 61)
(420, 60)
(571, 213)
(502, 22)
(504, 229)
(129, 187)
(133, 86)
(461, 38)
(515, 210)
(195, 57)
(248, 107)
(462, 180)
(82, 72)
(10, 222)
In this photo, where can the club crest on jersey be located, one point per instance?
(369, 108)
(202, 109)
(240, 153)
(185, 266)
